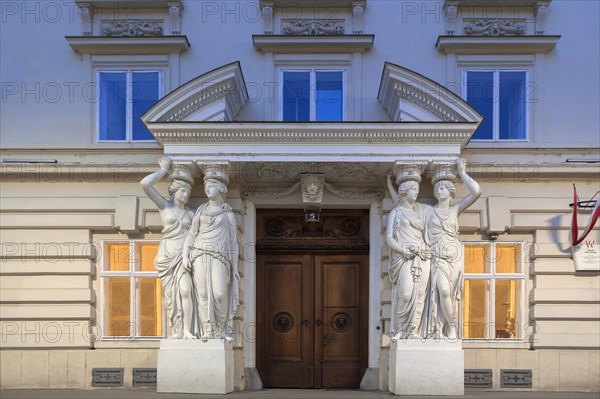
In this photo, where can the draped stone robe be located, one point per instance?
(408, 304)
(168, 263)
(446, 262)
(215, 255)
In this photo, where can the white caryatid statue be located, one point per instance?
(409, 256)
(211, 252)
(177, 284)
(441, 234)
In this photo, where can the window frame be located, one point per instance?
(492, 277)
(496, 103)
(132, 274)
(313, 90)
(128, 100)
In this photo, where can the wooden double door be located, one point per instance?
(312, 314)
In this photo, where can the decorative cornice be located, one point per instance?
(212, 94)
(302, 43)
(352, 133)
(497, 3)
(409, 96)
(128, 45)
(295, 4)
(127, 5)
(223, 87)
(496, 45)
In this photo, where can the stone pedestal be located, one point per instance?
(193, 366)
(427, 367)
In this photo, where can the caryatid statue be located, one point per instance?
(176, 218)
(211, 253)
(441, 234)
(409, 255)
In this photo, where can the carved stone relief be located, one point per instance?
(331, 227)
(133, 28)
(256, 173)
(311, 27)
(495, 27)
(312, 189)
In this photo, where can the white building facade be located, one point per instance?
(310, 106)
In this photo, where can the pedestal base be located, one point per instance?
(193, 366)
(427, 368)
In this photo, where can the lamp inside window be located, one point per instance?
(493, 291)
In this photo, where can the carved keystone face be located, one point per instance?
(313, 188)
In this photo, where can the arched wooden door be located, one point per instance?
(312, 299)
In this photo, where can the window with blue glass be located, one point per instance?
(500, 96)
(312, 95)
(123, 97)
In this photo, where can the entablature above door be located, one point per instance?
(312, 142)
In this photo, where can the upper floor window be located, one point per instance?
(494, 290)
(131, 290)
(312, 95)
(124, 96)
(501, 97)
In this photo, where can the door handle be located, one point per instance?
(318, 323)
(304, 322)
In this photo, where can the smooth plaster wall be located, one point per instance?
(36, 56)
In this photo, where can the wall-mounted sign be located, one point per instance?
(586, 255)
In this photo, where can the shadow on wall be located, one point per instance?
(556, 223)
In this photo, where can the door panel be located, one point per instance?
(284, 350)
(337, 304)
(312, 320)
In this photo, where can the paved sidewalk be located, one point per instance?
(271, 394)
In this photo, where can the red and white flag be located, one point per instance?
(575, 238)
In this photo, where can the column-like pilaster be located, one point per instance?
(87, 16)
(267, 15)
(451, 16)
(358, 9)
(540, 17)
(175, 14)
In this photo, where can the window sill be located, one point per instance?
(320, 44)
(127, 343)
(126, 5)
(128, 45)
(496, 45)
(495, 344)
(475, 144)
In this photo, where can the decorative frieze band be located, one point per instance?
(495, 27)
(312, 27)
(366, 193)
(190, 136)
(133, 28)
(261, 193)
